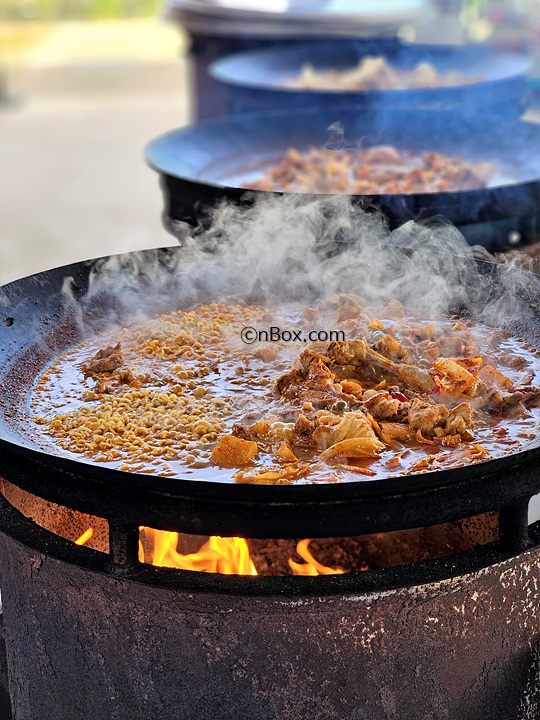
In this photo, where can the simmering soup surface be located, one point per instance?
(337, 392)
(378, 170)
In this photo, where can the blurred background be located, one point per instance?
(84, 85)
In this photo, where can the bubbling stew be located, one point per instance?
(378, 170)
(341, 391)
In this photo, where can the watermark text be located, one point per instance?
(249, 335)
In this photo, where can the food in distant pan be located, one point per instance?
(377, 170)
(377, 74)
(382, 391)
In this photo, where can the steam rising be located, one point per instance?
(296, 248)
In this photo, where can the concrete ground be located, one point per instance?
(83, 100)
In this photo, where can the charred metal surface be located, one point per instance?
(513, 526)
(5, 703)
(124, 545)
(83, 644)
(266, 511)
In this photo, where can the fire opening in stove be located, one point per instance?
(265, 557)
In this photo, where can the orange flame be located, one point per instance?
(85, 537)
(311, 566)
(229, 556)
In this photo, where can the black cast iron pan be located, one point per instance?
(38, 321)
(256, 80)
(205, 164)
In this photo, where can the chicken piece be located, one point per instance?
(362, 447)
(287, 384)
(410, 375)
(273, 475)
(351, 425)
(352, 353)
(348, 311)
(285, 454)
(239, 430)
(315, 382)
(124, 375)
(397, 431)
(453, 378)
(303, 426)
(414, 377)
(266, 354)
(391, 349)
(347, 352)
(503, 402)
(495, 378)
(345, 306)
(426, 417)
(352, 387)
(396, 310)
(319, 376)
(497, 337)
(102, 386)
(232, 452)
(309, 356)
(516, 362)
(105, 360)
(530, 395)
(346, 299)
(108, 352)
(459, 422)
(384, 407)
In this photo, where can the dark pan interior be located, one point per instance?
(39, 321)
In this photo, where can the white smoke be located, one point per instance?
(301, 248)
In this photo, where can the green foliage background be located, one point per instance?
(76, 9)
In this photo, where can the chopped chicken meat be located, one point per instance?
(106, 360)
